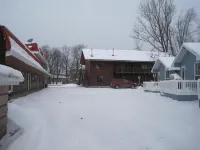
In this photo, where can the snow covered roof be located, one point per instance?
(19, 53)
(166, 61)
(120, 55)
(194, 48)
(10, 76)
(37, 52)
(18, 50)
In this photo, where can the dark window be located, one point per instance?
(119, 80)
(197, 70)
(100, 79)
(126, 80)
(99, 66)
(183, 73)
(167, 74)
(144, 66)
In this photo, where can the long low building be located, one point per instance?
(102, 65)
(20, 57)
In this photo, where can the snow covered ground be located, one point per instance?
(76, 118)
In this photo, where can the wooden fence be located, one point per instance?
(3, 110)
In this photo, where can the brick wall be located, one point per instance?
(106, 72)
(3, 110)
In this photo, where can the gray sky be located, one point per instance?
(96, 23)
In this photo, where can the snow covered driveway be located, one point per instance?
(124, 119)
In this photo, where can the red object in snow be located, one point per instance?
(122, 83)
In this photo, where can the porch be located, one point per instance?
(138, 72)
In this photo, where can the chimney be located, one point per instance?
(91, 52)
(113, 52)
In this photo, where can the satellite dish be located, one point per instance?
(30, 40)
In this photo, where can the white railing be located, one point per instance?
(151, 86)
(178, 87)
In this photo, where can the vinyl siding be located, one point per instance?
(162, 72)
(188, 61)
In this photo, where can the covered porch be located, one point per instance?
(138, 72)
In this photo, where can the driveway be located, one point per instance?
(76, 118)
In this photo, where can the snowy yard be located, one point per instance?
(124, 119)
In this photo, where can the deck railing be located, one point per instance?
(175, 87)
(151, 86)
(178, 87)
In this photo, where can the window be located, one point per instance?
(99, 79)
(167, 74)
(183, 72)
(126, 80)
(197, 70)
(99, 66)
(144, 66)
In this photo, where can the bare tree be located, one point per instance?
(138, 43)
(66, 52)
(76, 56)
(153, 25)
(184, 27)
(65, 60)
(57, 62)
(48, 52)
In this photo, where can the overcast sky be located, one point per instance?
(96, 23)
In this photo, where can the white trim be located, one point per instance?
(190, 50)
(195, 69)
(184, 72)
(158, 76)
(187, 49)
(174, 69)
(157, 62)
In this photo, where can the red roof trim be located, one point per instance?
(35, 48)
(8, 34)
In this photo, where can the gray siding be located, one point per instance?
(162, 72)
(188, 61)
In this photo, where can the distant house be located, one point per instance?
(58, 79)
(163, 68)
(102, 65)
(188, 60)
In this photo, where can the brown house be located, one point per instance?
(102, 65)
